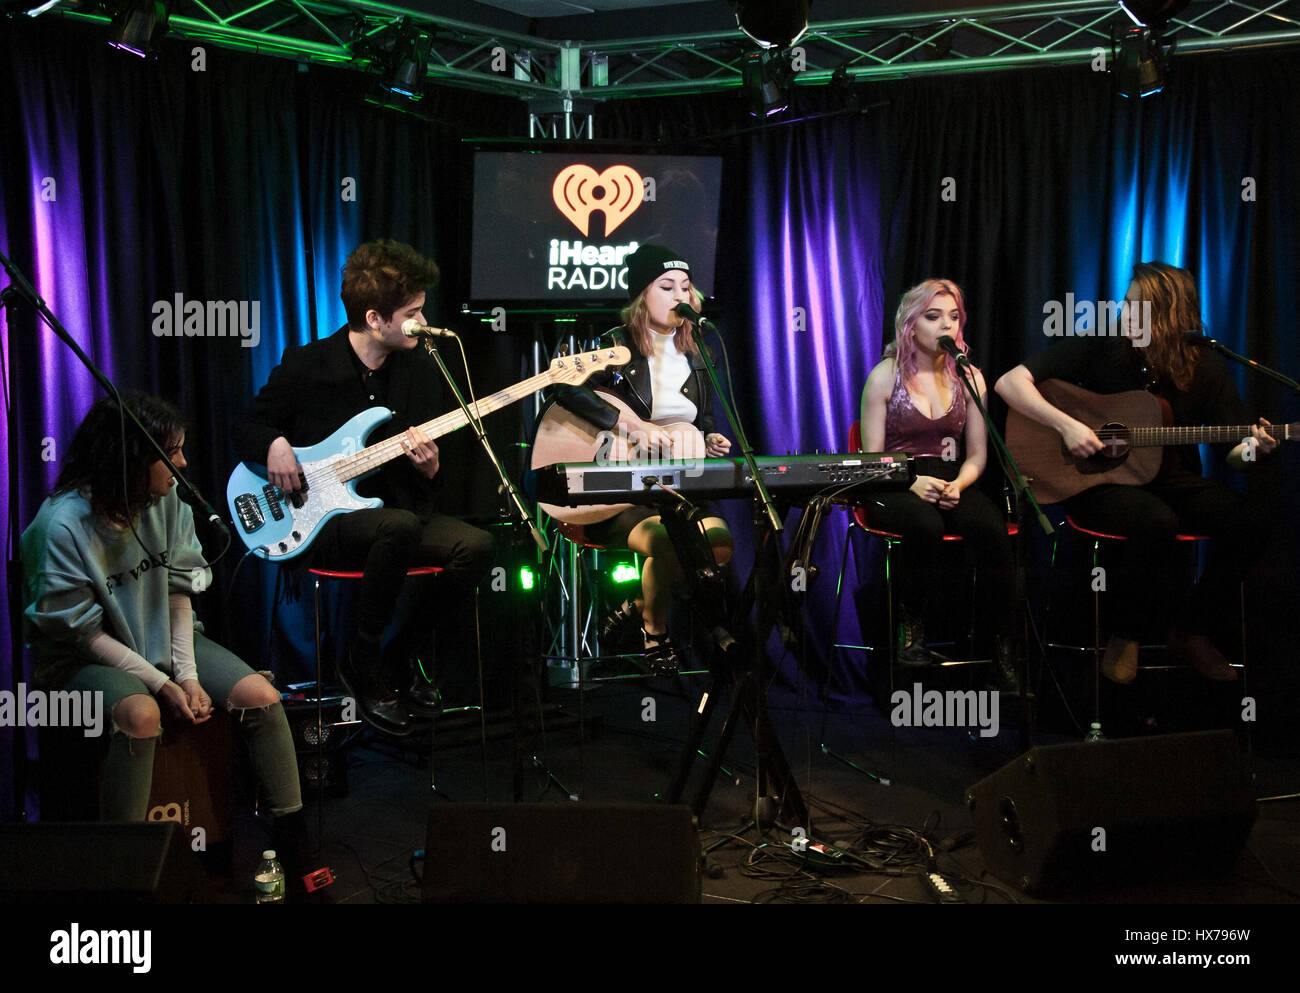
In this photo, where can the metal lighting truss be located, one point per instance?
(353, 32)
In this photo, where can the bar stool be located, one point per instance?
(1097, 648)
(580, 619)
(323, 731)
(859, 522)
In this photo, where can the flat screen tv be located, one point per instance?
(553, 229)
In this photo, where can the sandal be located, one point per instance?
(660, 656)
(621, 630)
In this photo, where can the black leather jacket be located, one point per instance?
(631, 383)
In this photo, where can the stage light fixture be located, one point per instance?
(773, 23)
(32, 8)
(767, 81)
(138, 25)
(526, 578)
(625, 572)
(408, 63)
(1140, 61)
(1153, 13)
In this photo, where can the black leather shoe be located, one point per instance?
(377, 703)
(423, 698)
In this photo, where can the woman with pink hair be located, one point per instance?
(914, 402)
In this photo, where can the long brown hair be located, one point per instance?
(1175, 308)
(636, 318)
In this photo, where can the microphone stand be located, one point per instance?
(21, 288)
(1205, 341)
(507, 484)
(28, 291)
(14, 588)
(524, 517)
(747, 450)
(1021, 488)
(740, 665)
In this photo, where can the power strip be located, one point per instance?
(941, 889)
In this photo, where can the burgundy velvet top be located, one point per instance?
(908, 430)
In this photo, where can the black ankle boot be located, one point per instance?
(1008, 676)
(912, 649)
(362, 677)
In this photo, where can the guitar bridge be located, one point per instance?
(249, 514)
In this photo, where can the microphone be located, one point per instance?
(189, 494)
(414, 329)
(950, 346)
(1197, 338)
(691, 314)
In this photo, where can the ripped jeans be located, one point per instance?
(128, 773)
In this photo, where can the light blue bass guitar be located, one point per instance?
(278, 527)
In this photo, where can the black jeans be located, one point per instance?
(384, 543)
(922, 525)
(1147, 581)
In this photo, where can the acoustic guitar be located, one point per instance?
(1134, 427)
(564, 437)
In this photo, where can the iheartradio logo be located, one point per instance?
(579, 189)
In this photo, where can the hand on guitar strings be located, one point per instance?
(1264, 442)
(1081, 440)
(422, 452)
(282, 466)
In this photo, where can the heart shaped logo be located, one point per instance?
(579, 189)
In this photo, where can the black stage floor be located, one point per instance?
(859, 775)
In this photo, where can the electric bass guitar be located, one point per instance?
(278, 526)
(564, 437)
(1134, 427)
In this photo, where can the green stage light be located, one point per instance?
(625, 572)
(525, 578)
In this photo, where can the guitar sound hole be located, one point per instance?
(1115, 437)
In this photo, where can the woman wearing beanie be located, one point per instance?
(661, 391)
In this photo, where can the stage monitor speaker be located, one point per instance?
(99, 864)
(1080, 816)
(561, 853)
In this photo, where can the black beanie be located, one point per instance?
(648, 263)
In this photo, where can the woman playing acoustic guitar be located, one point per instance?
(1152, 352)
(660, 403)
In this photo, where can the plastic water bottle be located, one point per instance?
(269, 879)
